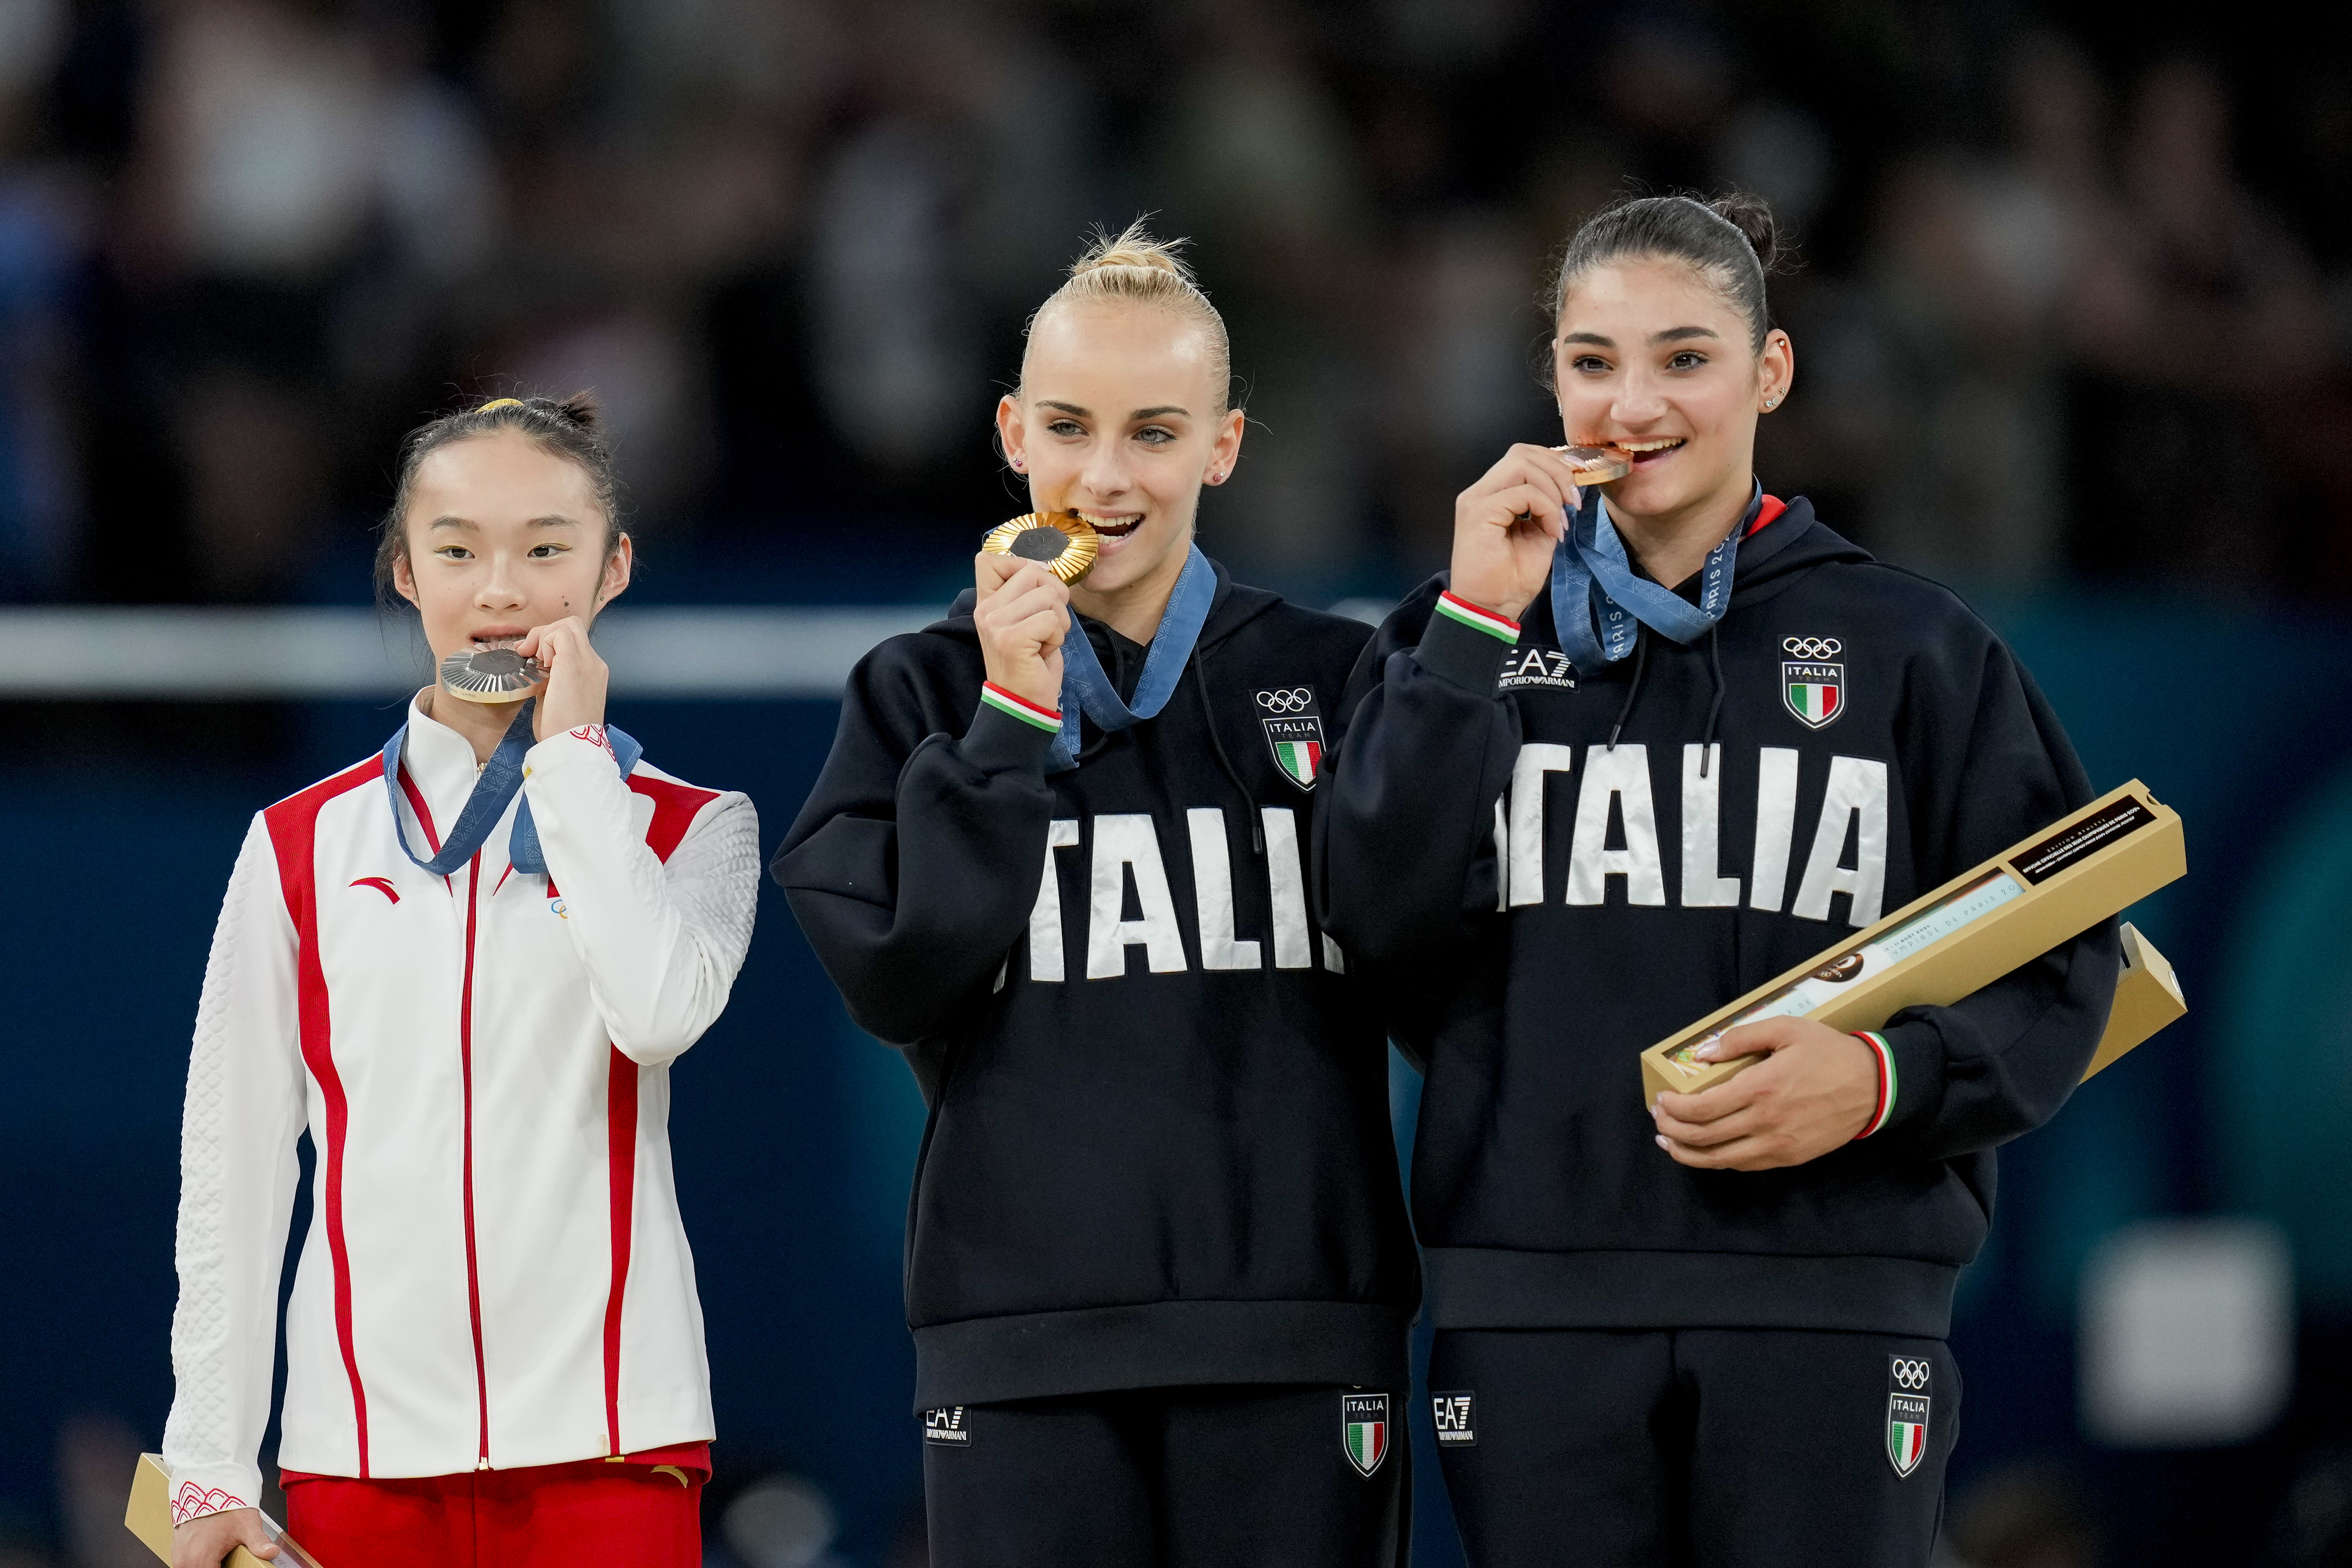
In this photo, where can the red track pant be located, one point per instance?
(593, 1514)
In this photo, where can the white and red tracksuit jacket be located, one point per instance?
(496, 1274)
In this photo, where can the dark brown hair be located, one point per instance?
(1732, 241)
(568, 427)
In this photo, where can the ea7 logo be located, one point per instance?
(1528, 667)
(946, 1427)
(1907, 1403)
(1457, 1425)
(1813, 688)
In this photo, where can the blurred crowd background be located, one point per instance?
(2058, 279)
(2074, 328)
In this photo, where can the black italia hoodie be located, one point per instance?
(1158, 1151)
(1574, 864)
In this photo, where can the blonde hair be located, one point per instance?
(1135, 269)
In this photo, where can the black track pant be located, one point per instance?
(1695, 1447)
(1176, 1478)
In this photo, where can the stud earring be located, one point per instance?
(1773, 402)
(1018, 468)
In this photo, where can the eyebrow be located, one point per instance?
(1155, 413)
(552, 520)
(1671, 335)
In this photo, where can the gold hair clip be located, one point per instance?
(502, 403)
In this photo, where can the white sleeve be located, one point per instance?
(243, 1115)
(661, 943)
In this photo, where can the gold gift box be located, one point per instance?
(1970, 932)
(149, 1517)
(2147, 996)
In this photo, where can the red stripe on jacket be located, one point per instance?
(293, 826)
(621, 1134)
(675, 806)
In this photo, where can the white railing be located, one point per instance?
(194, 655)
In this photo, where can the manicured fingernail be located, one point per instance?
(1665, 1145)
(1705, 1053)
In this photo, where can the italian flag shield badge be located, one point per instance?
(1909, 1378)
(1812, 680)
(1364, 1430)
(1294, 732)
(1815, 693)
(1906, 1439)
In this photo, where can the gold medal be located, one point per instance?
(1064, 543)
(1596, 465)
(491, 675)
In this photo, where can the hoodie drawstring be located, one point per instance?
(1641, 662)
(1715, 708)
(1209, 716)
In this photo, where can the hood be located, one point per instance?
(1789, 544)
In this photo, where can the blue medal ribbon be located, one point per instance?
(502, 778)
(1593, 582)
(1086, 689)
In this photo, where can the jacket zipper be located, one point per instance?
(466, 1061)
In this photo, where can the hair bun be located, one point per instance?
(580, 409)
(1752, 216)
(1133, 246)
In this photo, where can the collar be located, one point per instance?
(440, 763)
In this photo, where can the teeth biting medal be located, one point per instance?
(1596, 465)
(491, 675)
(1064, 543)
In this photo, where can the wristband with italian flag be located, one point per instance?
(1020, 707)
(1886, 1054)
(1501, 627)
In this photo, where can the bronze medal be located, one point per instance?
(491, 675)
(1596, 465)
(1064, 543)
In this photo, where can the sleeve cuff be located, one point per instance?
(1006, 732)
(1887, 1085)
(1911, 1057)
(1471, 656)
(196, 1493)
(570, 749)
(1477, 617)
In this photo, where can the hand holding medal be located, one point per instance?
(1506, 526)
(1023, 573)
(576, 676)
(554, 663)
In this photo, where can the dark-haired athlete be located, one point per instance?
(1626, 762)
(464, 966)
(1157, 1267)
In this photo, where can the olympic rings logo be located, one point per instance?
(1812, 647)
(1910, 1374)
(1295, 700)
